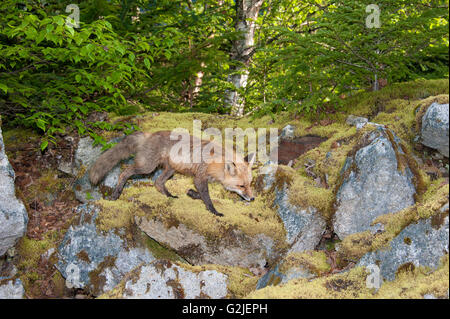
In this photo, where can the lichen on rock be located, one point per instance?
(354, 246)
(13, 214)
(11, 289)
(419, 244)
(296, 206)
(435, 128)
(165, 280)
(96, 261)
(374, 183)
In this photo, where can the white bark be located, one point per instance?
(247, 13)
(198, 81)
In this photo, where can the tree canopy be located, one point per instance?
(258, 57)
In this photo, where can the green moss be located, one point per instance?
(115, 214)
(404, 161)
(369, 103)
(314, 261)
(159, 251)
(252, 219)
(413, 283)
(302, 191)
(331, 155)
(305, 193)
(46, 187)
(29, 252)
(18, 139)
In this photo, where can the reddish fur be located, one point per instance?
(153, 150)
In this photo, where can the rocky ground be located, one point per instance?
(363, 194)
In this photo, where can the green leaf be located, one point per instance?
(41, 124)
(4, 87)
(44, 145)
(71, 30)
(147, 63)
(77, 99)
(49, 28)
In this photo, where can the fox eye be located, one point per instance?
(242, 186)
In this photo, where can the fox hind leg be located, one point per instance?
(127, 173)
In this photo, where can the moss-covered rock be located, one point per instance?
(293, 207)
(165, 280)
(13, 214)
(376, 180)
(353, 247)
(298, 203)
(97, 260)
(248, 235)
(435, 128)
(419, 244)
(308, 264)
(412, 283)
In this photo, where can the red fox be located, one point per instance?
(153, 150)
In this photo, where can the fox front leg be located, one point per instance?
(193, 194)
(202, 187)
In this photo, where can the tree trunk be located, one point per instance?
(242, 51)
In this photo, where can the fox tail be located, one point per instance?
(123, 150)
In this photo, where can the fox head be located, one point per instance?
(238, 177)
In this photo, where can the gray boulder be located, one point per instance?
(198, 249)
(13, 215)
(356, 121)
(164, 280)
(420, 244)
(373, 185)
(97, 261)
(12, 289)
(304, 226)
(359, 122)
(435, 125)
(288, 132)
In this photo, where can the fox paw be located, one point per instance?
(218, 214)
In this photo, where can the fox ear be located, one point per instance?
(229, 167)
(250, 159)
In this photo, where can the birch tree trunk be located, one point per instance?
(242, 51)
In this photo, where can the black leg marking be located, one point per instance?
(202, 187)
(162, 179)
(194, 194)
